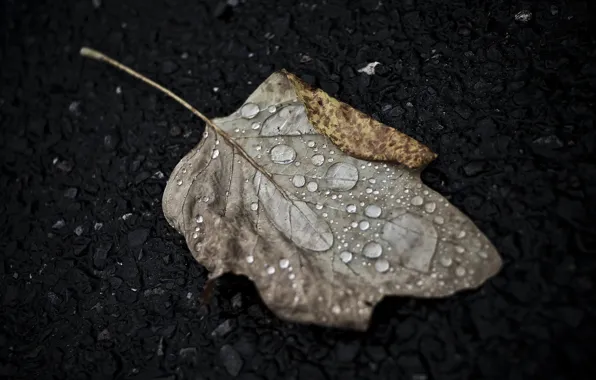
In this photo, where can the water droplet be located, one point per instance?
(318, 206)
(283, 154)
(250, 259)
(254, 206)
(354, 224)
(461, 235)
(272, 108)
(270, 270)
(205, 134)
(351, 209)
(336, 309)
(310, 144)
(459, 249)
(364, 225)
(215, 153)
(312, 186)
(289, 121)
(372, 180)
(369, 190)
(255, 125)
(372, 211)
(298, 180)
(417, 200)
(372, 250)
(284, 263)
(430, 207)
(292, 276)
(195, 235)
(199, 219)
(249, 110)
(483, 254)
(460, 271)
(179, 183)
(341, 176)
(346, 256)
(439, 219)
(382, 265)
(446, 261)
(317, 159)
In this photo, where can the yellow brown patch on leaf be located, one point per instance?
(356, 133)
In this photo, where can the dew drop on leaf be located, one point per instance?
(283, 154)
(372, 211)
(312, 186)
(346, 256)
(446, 261)
(372, 250)
(351, 209)
(382, 265)
(317, 159)
(417, 200)
(364, 225)
(284, 263)
(249, 110)
(430, 207)
(298, 180)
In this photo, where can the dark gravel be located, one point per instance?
(95, 285)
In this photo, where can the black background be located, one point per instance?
(508, 105)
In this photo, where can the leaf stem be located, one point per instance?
(94, 54)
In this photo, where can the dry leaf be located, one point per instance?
(357, 134)
(323, 235)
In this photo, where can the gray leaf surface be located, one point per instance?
(334, 235)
